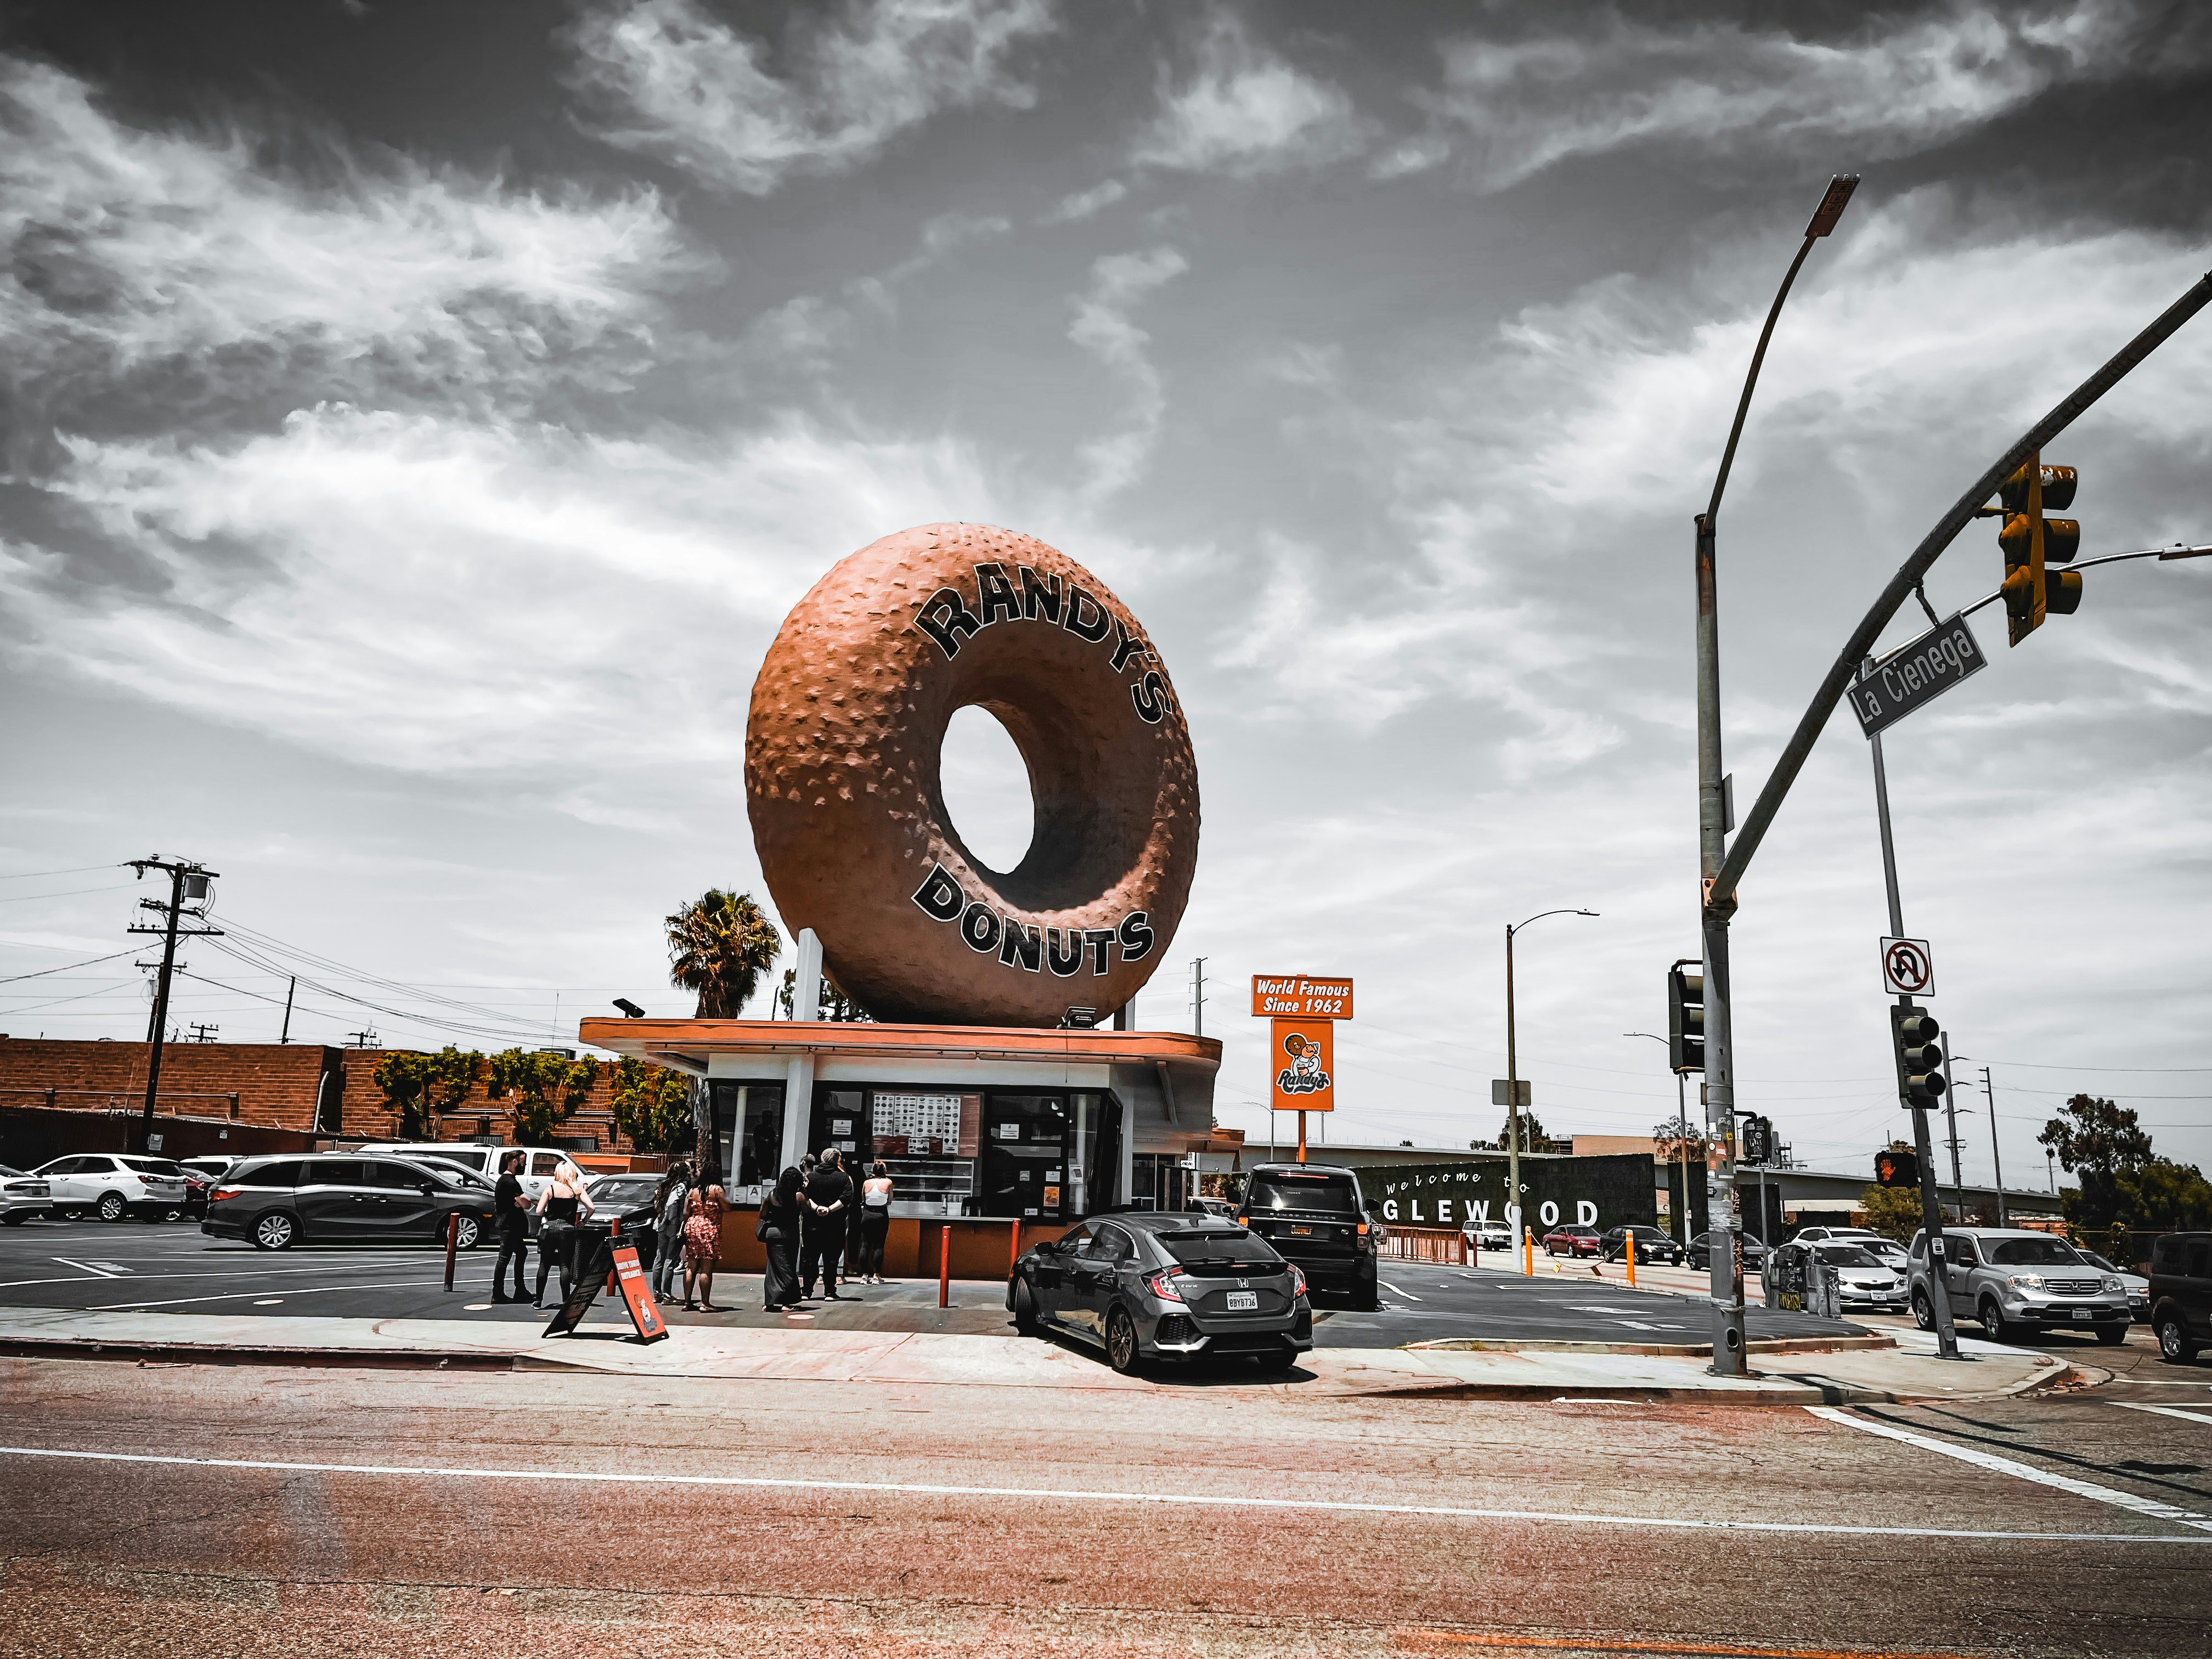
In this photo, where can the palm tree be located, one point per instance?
(719, 946)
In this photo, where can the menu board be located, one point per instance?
(917, 1125)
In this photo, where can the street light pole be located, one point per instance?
(1513, 1075)
(1715, 904)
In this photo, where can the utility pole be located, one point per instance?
(1931, 1207)
(286, 1036)
(1997, 1158)
(187, 881)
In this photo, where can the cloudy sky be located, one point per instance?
(420, 418)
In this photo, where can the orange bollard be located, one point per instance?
(1632, 1261)
(945, 1265)
(1528, 1254)
(1014, 1254)
(453, 1244)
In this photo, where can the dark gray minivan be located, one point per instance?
(2181, 1294)
(346, 1198)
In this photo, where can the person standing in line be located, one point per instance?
(781, 1208)
(828, 1195)
(560, 1207)
(702, 1245)
(512, 1208)
(670, 1205)
(875, 1222)
(807, 1163)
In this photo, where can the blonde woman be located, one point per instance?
(702, 1242)
(562, 1203)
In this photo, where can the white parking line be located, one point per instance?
(2163, 1411)
(1395, 1290)
(107, 1271)
(371, 1263)
(1312, 1505)
(290, 1290)
(2114, 1495)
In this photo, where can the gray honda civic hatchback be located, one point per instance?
(1147, 1285)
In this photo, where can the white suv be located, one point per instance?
(111, 1185)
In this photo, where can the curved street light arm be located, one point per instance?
(1540, 914)
(1751, 381)
(1720, 895)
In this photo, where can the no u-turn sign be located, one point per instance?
(1908, 968)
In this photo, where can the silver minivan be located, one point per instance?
(2014, 1281)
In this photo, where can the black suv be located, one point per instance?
(2181, 1294)
(346, 1198)
(1313, 1215)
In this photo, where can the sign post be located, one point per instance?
(1302, 1010)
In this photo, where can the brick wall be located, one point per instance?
(277, 1085)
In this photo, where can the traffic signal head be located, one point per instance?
(1919, 1059)
(1686, 1017)
(1897, 1167)
(2032, 542)
(1757, 1140)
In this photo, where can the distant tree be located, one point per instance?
(2161, 1196)
(720, 945)
(1892, 1212)
(651, 1104)
(1677, 1137)
(833, 1002)
(2100, 1142)
(1533, 1138)
(546, 1089)
(416, 1086)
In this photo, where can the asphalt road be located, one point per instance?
(174, 1267)
(236, 1511)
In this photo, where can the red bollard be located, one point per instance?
(945, 1265)
(452, 1245)
(614, 1236)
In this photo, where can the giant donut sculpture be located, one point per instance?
(842, 759)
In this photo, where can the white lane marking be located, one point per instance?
(379, 1264)
(2114, 1495)
(104, 1271)
(1662, 1523)
(2163, 1411)
(1395, 1290)
(247, 1296)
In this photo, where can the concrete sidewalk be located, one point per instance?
(1841, 1375)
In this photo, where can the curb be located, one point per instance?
(1663, 1350)
(216, 1354)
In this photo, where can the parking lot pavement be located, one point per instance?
(173, 1267)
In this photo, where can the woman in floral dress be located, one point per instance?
(702, 1242)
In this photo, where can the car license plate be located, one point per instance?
(1301, 1232)
(2085, 1318)
(1244, 1301)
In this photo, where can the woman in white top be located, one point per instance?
(875, 1222)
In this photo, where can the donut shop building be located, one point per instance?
(977, 1126)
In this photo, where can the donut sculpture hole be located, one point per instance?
(843, 762)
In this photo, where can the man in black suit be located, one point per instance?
(828, 1202)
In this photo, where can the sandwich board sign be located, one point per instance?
(620, 1262)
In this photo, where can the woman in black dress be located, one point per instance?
(779, 1226)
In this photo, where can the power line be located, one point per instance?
(67, 966)
(74, 870)
(67, 892)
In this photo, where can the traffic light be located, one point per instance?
(1919, 1061)
(1686, 1017)
(1757, 1139)
(1896, 1167)
(2032, 543)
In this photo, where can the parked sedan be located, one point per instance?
(1701, 1251)
(1651, 1245)
(1146, 1286)
(1573, 1241)
(2138, 1287)
(627, 1199)
(278, 1202)
(23, 1198)
(1863, 1279)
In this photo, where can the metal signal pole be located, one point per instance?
(185, 881)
